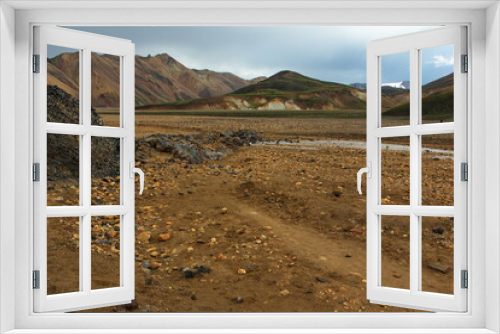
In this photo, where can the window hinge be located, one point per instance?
(36, 279)
(36, 172)
(465, 63)
(464, 171)
(465, 279)
(36, 63)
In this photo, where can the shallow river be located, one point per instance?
(318, 144)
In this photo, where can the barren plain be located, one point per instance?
(267, 228)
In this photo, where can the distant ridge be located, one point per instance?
(399, 85)
(285, 90)
(159, 79)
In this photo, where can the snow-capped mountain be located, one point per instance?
(401, 84)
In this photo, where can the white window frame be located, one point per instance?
(484, 308)
(413, 44)
(86, 43)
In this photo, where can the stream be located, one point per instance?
(319, 144)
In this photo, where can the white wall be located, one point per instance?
(492, 163)
(7, 185)
(195, 16)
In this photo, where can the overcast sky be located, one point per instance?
(327, 53)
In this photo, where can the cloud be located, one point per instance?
(441, 61)
(330, 53)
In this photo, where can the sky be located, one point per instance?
(336, 54)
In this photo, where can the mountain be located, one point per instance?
(398, 85)
(286, 90)
(393, 94)
(158, 79)
(358, 85)
(437, 100)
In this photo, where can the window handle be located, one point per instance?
(134, 170)
(368, 171)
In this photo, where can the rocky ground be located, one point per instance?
(254, 228)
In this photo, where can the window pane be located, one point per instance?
(395, 90)
(105, 252)
(105, 171)
(63, 85)
(63, 256)
(395, 240)
(395, 169)
(437, 254)
(437, 170)
(437, 84)
(106, 89)
(63, 170)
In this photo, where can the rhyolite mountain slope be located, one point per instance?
(286, 90)
(158, 79)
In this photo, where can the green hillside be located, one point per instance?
(286, 90)
(288, 81)
(437, 102)
(433, 106)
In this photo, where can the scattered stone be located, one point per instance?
(396, 275)
(438, 230)
(163, 237)
(213, 155)
(144, 237)
(337, 193)
(155, 254)
(164, 145)
(356, 230)
(223, 211)
(194, 297)
(202, 270)
(439, 266)
(239, 300)
(187, 153)
(188, 272)
(321, 280)
(242, 272)
(284, 292)
(192, 272)
(348, 255)
(155, 265)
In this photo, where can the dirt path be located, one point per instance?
(320, 250)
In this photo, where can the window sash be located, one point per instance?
(86, 298)
(414, 298)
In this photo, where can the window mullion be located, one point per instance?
(85, 166)
(414, 171)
